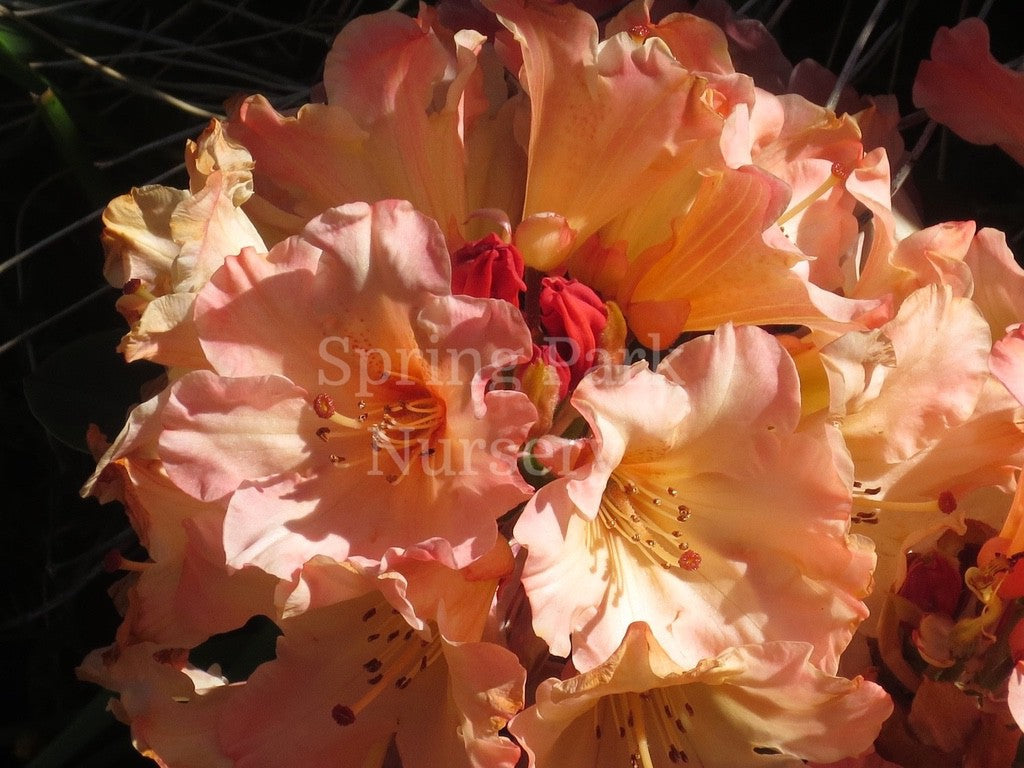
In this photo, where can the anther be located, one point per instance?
(639, 32)
(323, 404)
(134, 287)
(343, 715)
(841, 171)
(947, 503)
(689, 560)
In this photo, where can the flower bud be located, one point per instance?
(488, 269)
(545, 380)
(933, 583)
(574, 318)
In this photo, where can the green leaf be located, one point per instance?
(86, 382)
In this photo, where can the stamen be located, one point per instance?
(643, 518)
(134, 287)
(840, 172)
(648, 724)
(115, 561)
(403, 427)
(945, 503)
(398, 656)
(323, 405)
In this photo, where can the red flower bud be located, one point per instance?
(574, 317)
(489, 269)
(933, 583)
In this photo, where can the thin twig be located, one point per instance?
(108, 72)
(20, 256)
(851, 60)
(915, 153)
(12, 343)
(777, 16)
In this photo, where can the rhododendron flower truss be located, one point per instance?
(758, 705)
(348, 411)
(395, 653)
(696, 507)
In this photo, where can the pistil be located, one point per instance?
(840, 172)
(864, 498)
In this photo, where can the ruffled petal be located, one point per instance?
(749, 706)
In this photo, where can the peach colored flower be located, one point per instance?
(584, 98)
(162, 245)
(413, 112)
(184, 593)
(395, 651)
(747, 706)
(925, 424)
(348, 410)
(963, 87)
(696, 507)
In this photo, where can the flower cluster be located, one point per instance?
(565, 395)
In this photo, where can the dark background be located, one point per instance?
(62, 156)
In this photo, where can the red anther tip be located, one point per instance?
(131, 286)
(689, 560)
(947, 502)
(841, 170)
(343, 715)
(112, 561)
(639, 31)
(323, 404)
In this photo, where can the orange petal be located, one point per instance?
(606, 118)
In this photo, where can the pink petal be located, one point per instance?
(965, 88)
(708, 457)
(998, 281)
(219, 432)
(1007, 362)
